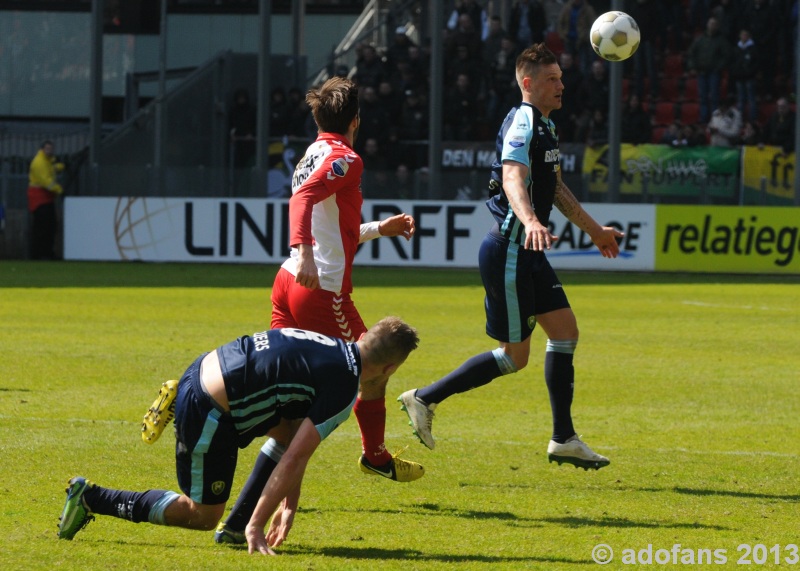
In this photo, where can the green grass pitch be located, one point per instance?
(688, 383)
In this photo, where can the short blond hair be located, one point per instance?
(390, 341)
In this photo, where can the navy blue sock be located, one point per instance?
(474, 372)
(559, 375)
(251, 492)
(133, 506)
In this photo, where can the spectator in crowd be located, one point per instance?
(402, 186)
(299, 115)
(744, 71)
(422, 182)
(281, 169)
(725, 125)
(392, 102)
(779, 129)
(598, 129)
(527, 22)
(242, 120)
(376, 170)
(494, 39)
(375, 122)
(751, 134)
(765, 24)
(43, 187)
(464, 63)
(502, 90)
(419, 68)
(648, 17)
(636, 126)
(278, 113)
(461, 110)
(708, 57)
(674, 135)
(573, 117)
(694, 135)
(596, 88)
(414, 129)
(574, 23)
(476, 14)
(552, 10)
(398, 51)
(370, 69)
(464, 35)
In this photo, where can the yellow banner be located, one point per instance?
(728, 239)
(771, 168)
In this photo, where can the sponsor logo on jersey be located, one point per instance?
(517, 142)
(551, 156)
(340, 167)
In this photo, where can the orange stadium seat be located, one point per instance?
(673, 65)
(664, 113)
(690, 113)
(668, 88)
(690, 92)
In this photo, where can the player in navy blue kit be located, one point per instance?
(521, 287)
(264, 384)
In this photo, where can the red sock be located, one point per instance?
(371, 417)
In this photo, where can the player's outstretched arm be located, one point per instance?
(604, 237)
(283, 481)
(398, 225)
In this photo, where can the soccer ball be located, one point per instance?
(615, 36)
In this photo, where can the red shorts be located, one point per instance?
(318, 310)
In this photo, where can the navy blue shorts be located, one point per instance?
(520, 284)
(205, 442)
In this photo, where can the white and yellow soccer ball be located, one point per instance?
(615, 36)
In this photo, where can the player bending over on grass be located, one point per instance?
(521, 287)
(251, 387)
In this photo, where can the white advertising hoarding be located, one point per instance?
(256, 231)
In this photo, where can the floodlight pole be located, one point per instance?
(435, 103)
(614, 122)
(797, 130)
(262, 98)
(160, 122)
(96, 93)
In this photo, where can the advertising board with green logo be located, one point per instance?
(661, 170)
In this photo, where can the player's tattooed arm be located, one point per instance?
(569, 206)
(604, 237)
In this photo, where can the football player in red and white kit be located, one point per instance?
(312, 288)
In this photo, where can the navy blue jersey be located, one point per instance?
(529, 138)
(289, 373)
